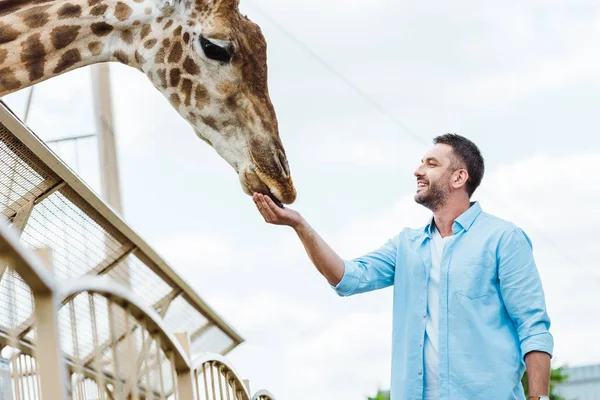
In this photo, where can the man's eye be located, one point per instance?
(222, 52)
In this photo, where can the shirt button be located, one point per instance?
(424, 315)
(420, 344)
(420, 372)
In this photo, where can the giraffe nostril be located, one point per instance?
(281, 161)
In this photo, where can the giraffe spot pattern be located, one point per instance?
(92, 3)
(148, 10)
(162, 75)
(138, 58)
(3, 55)
(201, 96)
(186, 38)
(177, 31)
(168, 24)
(96, 48)
(11, 6)
(137, 22)
(8, 80)
(123, 11)
(127, 36)
(99, 10)
(176, 53)
(175, 100)
(35, 17)
(69, 11)
(160, 56)
(192, 118)
(62, 36)
(150, 43)
(7, 34)
(33, 56)
(146, 29)
(68, 59)
(210, 121)
(174, 76)
(121, 57)
(186, 89)
(101, 28)
(191, 67)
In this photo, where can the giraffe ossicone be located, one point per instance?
(207, 59)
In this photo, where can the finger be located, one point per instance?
(262, 210)
(268, 211)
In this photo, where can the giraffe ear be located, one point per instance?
(167, 6)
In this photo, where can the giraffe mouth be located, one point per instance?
(255, 181)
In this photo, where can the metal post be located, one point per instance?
(185, 385)
(109, 170)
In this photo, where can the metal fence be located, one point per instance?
(97, 319)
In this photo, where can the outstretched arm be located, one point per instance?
(327, 262)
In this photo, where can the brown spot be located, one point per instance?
(3, 54)
(121, 57)
(8, 81)
(150, 75)
(160, 56)
(168, 24)
(127, 36)
(35, 17)
(162, 75)
(191, 67)
(186, 38)
(100, 9)
(176, 53)
(186, 89)
(69, 59)
(33, 56)
(138, 58)
(192, 118)
(201, 95)
(210, 121)
(174, 76)
(175, 100)
(62, 36)
(137, 22)
(96, 48)
(92, 3)
(177, 31)
(148, 10)
(146, 29)
(123, 11)
(150, 43)
(11, 6)
(7, 34)
(159, 19)
(101, 28)
(69, 11)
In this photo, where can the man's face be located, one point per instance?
(434, 177)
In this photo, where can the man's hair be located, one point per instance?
(466, 153)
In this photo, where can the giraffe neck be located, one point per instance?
(40, 39)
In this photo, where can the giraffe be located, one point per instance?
(205, 57)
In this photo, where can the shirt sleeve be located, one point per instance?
(374, 270)
(522, 292)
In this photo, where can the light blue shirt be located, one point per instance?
(492, 308)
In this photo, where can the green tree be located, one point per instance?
(381, 395)
(557, 375)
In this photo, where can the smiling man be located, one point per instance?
(469, 308)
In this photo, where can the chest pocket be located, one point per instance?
(474, 278)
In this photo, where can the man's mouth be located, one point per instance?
(421, 184)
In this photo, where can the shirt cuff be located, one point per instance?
(539, 342)
(349, 281)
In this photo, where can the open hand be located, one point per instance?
(275, 215)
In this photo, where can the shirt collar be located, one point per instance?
(464, 221)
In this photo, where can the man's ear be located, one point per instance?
(459, 178)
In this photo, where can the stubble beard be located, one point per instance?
(434, 198)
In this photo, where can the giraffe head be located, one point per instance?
(211, 63)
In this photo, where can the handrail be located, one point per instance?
(120, 295)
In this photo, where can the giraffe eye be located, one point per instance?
(217, 50)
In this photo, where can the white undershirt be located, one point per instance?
(432, 359)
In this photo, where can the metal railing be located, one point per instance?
(141, 359)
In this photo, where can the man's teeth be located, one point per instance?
(421, 184)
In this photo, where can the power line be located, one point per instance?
(403, 127)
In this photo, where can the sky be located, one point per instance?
(521, 79)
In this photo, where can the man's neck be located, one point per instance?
(445, 216)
